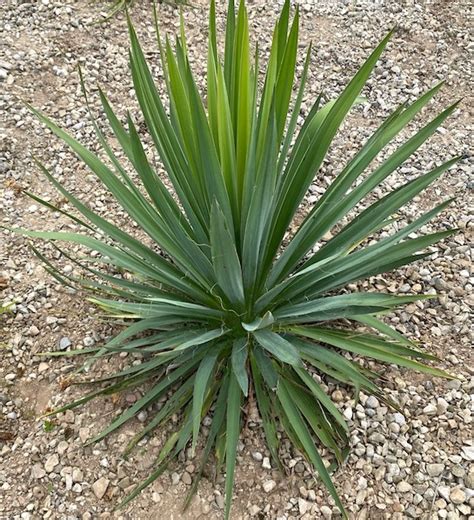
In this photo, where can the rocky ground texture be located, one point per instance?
(415, 464)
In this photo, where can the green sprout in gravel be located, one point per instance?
(224, 307)
(122, 5)
(5, 308)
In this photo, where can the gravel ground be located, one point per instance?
(415, 465)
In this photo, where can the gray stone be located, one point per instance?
(42, 367)
(399, 418)
(469, 480)
(430, 409)
(62, 447)
(99, 487)
(257, 456)
(254, 510)
(84, 434)
(434, 470)
(33, 330)
(186, 478)
(457, 496)
(299, 468)
(269, 485)
(440, 284)
(442, 406)
(404, 487)
(377, 438)
(77, 475)
(51, 462)
(458, 471)
(394, 427)
(64, 343)
(88, 341)
(303, 506)
(37, 471)
(220, 501)
(468, 453)
(372, 402)
(444, 492)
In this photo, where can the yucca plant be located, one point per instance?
(223, 306)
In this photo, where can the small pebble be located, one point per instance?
(64, 343)
(269, 485)
(457, 496)
(51, 462)
(99, 487)
(404, 487)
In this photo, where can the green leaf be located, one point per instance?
(340, 270)
(239, 360)
(225, 259)
(375, 323)
(294, 114)
(360, 227)
(157, 307)
(313, 413)
(301, 430)
(173, 405)
(341, 306)
(266, 408)
(164, 135)
(321, 396)
(216, 426)
(259, 194)
(313, 227)
(335, 365)
(201, 382)
(232, 438)
(136, 257)
(278, 346)
(259, 323)
(346, 341)
(149, 397)
(298, 177)
(201, 339)
(265, 366)
(284, 83)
